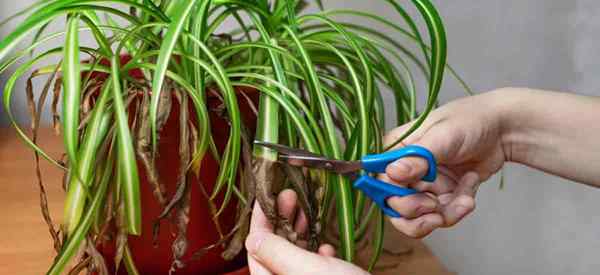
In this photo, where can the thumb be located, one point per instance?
(282, 257)
(412, 169)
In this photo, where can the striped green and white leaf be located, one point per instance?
(320, 80)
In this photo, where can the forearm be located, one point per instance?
(555, 132)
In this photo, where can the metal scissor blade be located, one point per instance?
(286, 149)
(303, 158)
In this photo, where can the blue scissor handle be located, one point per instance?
(378, 162)
(380, 191)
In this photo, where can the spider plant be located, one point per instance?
(321, 82)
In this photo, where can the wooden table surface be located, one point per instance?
(25, 244)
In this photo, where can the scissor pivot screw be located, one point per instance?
(328, 165)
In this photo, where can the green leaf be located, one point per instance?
(8, 92)
(377, 240)
(23, 11)
(126, 155)
(71, 246)
(71, 89)
(437, 35)
(164, 59)
(94, 136)
(267, 129)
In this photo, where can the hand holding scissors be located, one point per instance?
(375, 189)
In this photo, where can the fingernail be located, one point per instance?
(254, 241)
(402, 167)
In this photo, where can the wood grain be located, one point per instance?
(25, 244)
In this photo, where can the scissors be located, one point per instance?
(375, 189)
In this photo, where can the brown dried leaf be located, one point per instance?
(307, 201)
(202, 251)
(144, 149)
(214, 91)
(268, 180)
(80, 266)
(121, 239)
(65, 179)
(35, 119)
(195, 145)
(30, 102)
(248, 186)
(109, 214)
(86, 103)
(133, 11)
(55, 100)
(98, 264)
(250, 103)
(180, 245)
(211, 206)
(183, 155)
(165, 104)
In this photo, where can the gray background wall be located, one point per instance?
(539, 224)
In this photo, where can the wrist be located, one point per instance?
(512, 113)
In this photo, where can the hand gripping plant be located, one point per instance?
(319, 83)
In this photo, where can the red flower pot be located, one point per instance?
(150, 259)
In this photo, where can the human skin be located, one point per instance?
(271, 254)
(471, 139)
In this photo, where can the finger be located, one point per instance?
(258, 223)
(409, 169)
(398, 132)
(419, 227)
(302, 244)
(326, 250)
(437, 140)
(256, 268)
(468, 185)
(386, 178)
(287, 201)
(463, 200)
(301, 226)
(414, 205)
(442, 184)
(282, 257)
